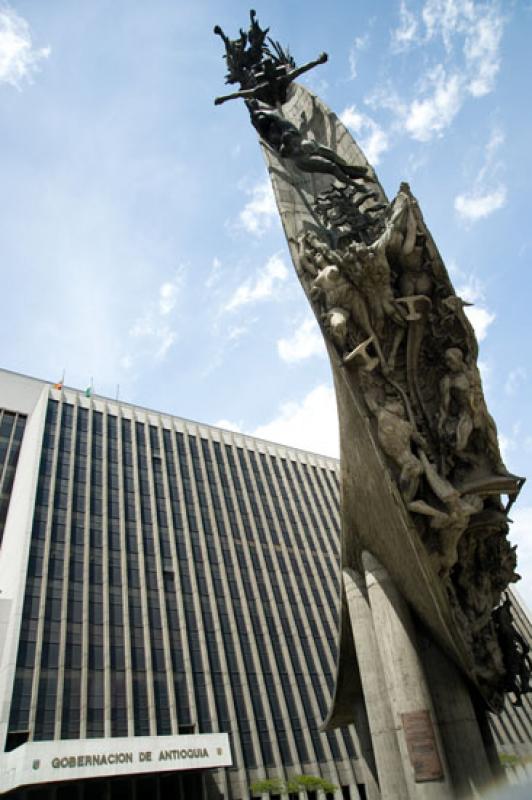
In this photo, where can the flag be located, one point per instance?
(88, 391)
(59, 384)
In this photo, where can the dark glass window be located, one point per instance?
(11, 432)
(208, 522)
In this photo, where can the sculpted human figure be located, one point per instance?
(450, 523)
(263, 75)
(515, 652)
(456, 412)
(336, 292)
(272, 82)
(415, 277)
(314, 254)
(244, 54)
(256, 36)
(307, 253)
(370, 269)
(309, 156)
(338, 298)
(396, 434)
(374, 279)
(463, 410)
(340, 210)
(507, 573)
(336, 322)
(374, 265)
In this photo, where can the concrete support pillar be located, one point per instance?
(404, 676)
(366, 755)
(381, 720)
(462, 738)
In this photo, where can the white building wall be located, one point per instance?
(30, 397)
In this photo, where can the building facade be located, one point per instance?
(168, 588)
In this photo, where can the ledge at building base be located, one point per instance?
(79, 759)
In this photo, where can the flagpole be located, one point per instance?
(117, 391)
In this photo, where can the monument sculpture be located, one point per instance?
(425, 491)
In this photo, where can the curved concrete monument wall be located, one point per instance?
(425, 494)
(390, 477)
(424, 488)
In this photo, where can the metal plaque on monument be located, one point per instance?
(425, 494)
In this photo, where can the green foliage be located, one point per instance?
(310, 782)
(509, 760)
(293, 785)
(270, 785)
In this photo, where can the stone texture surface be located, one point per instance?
(384, 458)
(382, 726)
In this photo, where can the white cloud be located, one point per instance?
(472, 290)
(274, 273)
(480, 319)
(416, 161)
(481, 51)
(158, 334)
(361, 43)
(152, 327)
(228, 425)
(446, 18)
(373, 139)
(306, 341)
(494, 142)
(19, 60)
(386, 96)
(479, 315)
(475, 205)
(484, 197)
(516, 378)
(471, 34)
(260, 211)
(405, 34)
(521, 535)
(431, 115)
(438, 97)
(506, 445)
(478, 28)
(311, 424)
(166, 338)
(168, 295)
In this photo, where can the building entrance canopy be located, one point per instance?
(53, 761)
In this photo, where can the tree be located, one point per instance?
(268, 786)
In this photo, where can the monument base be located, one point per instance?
(428, 741)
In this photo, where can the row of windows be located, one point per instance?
(201, 535)
(11, 432)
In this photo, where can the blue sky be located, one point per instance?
(139, 238)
